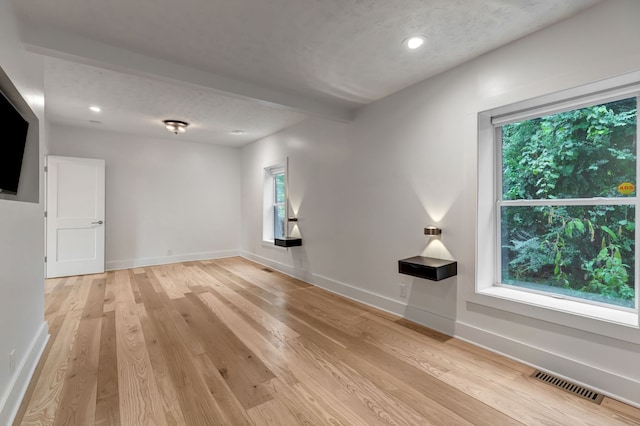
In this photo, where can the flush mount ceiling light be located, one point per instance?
(175, 126)
(414, 42)
(95, 108)
(237, 132)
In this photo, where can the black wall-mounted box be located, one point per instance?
(428, 268)
(288, 242)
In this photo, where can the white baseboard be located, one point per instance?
(350, 292)
(359, 295)
(429, 319)
(10, 402)
(114, 265)
(608, 383)
(279, 266)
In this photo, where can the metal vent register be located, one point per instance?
(577, 390)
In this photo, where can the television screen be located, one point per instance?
(13, 140)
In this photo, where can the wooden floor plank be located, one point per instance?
(80, 293)
(631, 414)
(310, 366)
(138, 393)
(167, 278)
(149, 296)
(272, 413)
(166, 389)
(152, 300)
(44, 404)
(296, 404)
(81, 383)
(54, 284)
(275, 305)
(54, 300)
(109, 294)
(77, 404)
(198, 407)
(137, 298)
(233, 342)
(107, 407)
(385, 406)
(244, 307)
(268, 350)
(219, 390)
(94, 305)
(243, 371)
(324, 406)
(456, 400)
(107, 411)
(265, 277)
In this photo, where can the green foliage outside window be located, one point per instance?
(585, 250)
(279, 188)
(279, 206)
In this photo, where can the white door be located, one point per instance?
(75, 216)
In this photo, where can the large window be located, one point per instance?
(567, 203)
(558, 208)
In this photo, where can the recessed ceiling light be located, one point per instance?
(95, 122)
(237, 132)
(95, 108)
(414, 42)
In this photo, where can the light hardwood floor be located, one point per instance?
(231, 342)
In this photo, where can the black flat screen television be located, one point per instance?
(14, 138)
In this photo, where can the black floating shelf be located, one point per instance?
(428, 268)
(288, 242)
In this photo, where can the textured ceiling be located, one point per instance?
(344, 53)
(133, 104)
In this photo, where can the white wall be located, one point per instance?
(162, 195)
(22, 326)
(364, 191)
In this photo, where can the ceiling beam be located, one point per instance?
(63, 45)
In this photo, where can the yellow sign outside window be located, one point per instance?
(626, 188)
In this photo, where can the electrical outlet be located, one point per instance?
(12, 362)
(169, 252)
(403, 290)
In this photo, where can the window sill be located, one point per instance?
(591, 318)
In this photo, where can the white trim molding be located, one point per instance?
(115, 265)
(375, 300)
(431, 320)
(11, 400)
(624, 389)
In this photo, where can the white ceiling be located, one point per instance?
(255, 65)
(138, 105)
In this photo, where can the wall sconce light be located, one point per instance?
(432, 230)
(176, 126)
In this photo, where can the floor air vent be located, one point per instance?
(580, 391)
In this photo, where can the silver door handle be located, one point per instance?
(97, 223)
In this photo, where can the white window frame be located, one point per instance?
(269, 200)
(605, 320)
